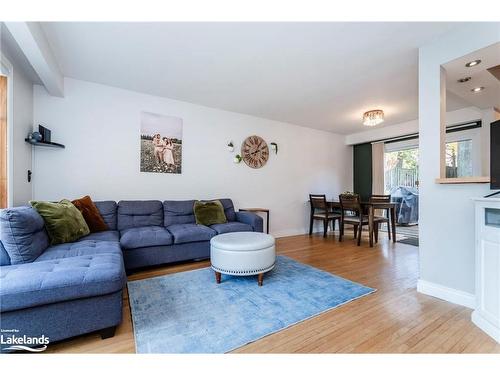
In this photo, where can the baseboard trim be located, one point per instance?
(486, 326)
(448, 294)
(300, 232)
(288, 233)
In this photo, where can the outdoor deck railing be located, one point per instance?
(401, 177)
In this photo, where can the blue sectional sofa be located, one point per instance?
(70, 289)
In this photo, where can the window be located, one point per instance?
(459, 158)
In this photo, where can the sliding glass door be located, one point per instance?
(401, 169)
(401, 181)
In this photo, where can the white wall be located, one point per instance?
(100, 127)
(446, 211)
(21, 124)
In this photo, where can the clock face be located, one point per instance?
(254, 151)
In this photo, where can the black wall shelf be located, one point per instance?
(43, 144)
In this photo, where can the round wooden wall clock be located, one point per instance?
(254, 151)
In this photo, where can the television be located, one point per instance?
(495, 155)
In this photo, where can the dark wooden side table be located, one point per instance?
(265, 210)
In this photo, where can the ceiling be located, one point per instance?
(481, 75)
(15, 55)
(319, 75)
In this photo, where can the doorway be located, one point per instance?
(401, 181)
(401, 169)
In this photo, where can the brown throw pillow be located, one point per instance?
(91, 214)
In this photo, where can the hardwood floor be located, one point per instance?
(395, 319)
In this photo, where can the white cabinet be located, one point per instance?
(487, 312)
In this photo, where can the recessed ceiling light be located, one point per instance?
(477, 89)
(473, 63)
(465, 79)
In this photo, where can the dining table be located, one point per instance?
(370, 207)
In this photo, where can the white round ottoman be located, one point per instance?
(242, 254)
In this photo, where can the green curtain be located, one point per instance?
(362, 166)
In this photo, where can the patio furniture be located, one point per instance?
(406, 199)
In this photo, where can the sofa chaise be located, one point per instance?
(69, 289)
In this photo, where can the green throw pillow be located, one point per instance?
(63, 221)
(209, 212)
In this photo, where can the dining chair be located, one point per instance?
(376, 198)
(351, 205)
(320, 210)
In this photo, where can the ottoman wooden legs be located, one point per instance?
(260, 278)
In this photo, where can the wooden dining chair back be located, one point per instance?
(318, 202)
(381, 217)
(380, 197)
(350, 203)
(377, 198)
(351, 213)
(320, 210)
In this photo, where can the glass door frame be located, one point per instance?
(396, 146)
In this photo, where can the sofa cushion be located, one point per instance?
(75, 249)
(181, 212)
(252, 219)
(232, 226)
(63, 221)
(60, 280)
(139, 214)
(133, 238)
(228, 209)
(209, 212)
(4, 256)
(107, 235)
(178, 212)
(107, 209)
(91, 214)
(23, 234)
(190, 233)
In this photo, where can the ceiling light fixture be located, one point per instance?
(465, 79)
(477, 89)
(470, 64)
(373, 117)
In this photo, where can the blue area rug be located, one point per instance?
(189, 313)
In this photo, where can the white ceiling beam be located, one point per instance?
(32, 41)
